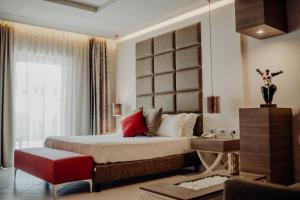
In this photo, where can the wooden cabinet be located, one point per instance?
(266, 143)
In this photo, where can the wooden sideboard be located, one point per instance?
(266, 143)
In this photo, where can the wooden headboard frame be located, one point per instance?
(169, 73)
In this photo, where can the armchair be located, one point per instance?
(241, 189)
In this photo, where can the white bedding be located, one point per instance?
(113, 148)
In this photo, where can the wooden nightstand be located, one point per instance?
(219, 146)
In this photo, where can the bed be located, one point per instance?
(113, 148)
(118, 158)
(163, 64)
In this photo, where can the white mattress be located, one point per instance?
(113, 148)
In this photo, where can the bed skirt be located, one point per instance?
(104, 173)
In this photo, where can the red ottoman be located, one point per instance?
(54, 166)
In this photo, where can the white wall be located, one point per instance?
(278, 53)
(227, 66)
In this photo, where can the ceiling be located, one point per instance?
(120, 17)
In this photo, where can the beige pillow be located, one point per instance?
(153, 119)
(171, 125)
(189, 124)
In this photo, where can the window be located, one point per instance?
(51, 85)
(38, 102)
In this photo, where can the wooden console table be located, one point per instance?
(219, 146)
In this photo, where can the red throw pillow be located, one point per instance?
(134, 125)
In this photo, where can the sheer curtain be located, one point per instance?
(51, 85)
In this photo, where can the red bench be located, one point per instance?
(54, 166)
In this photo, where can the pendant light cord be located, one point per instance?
(116, 56)
(210, 49)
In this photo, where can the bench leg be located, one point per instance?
(54, 191)
(90, 181)
(15, 175)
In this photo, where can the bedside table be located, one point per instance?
(218, 146)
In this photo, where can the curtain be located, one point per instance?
(6, 60)
(51, 85)
(100, 108)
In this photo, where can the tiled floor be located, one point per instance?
(31, 188)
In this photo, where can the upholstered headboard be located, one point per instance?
(169, 73)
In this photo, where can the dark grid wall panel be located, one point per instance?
(169, 71)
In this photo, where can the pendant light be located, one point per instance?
(213, 102)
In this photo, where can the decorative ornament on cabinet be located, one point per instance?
(268, 89)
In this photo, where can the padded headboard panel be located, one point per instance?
(169, 73)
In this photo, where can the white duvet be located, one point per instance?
(113, 148)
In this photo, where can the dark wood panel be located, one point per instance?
(293, 17)
(281, 145)
(275, 14)
(266, 143)
(244, 15)
(261, 18)
(254, 163)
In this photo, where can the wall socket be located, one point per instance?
(233, 132)
(222, 131)
(211, 130)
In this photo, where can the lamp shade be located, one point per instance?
(117, 109)
(213, 104)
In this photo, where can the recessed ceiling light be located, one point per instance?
(76, 4)
(260, 32)
(83, 5)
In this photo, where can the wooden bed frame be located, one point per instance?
(106, 173)
(162, 65)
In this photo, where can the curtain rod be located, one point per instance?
(89, 35)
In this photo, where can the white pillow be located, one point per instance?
(171, 125)
(189, 124)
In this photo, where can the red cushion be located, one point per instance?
(54, 166)
(134, 125)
